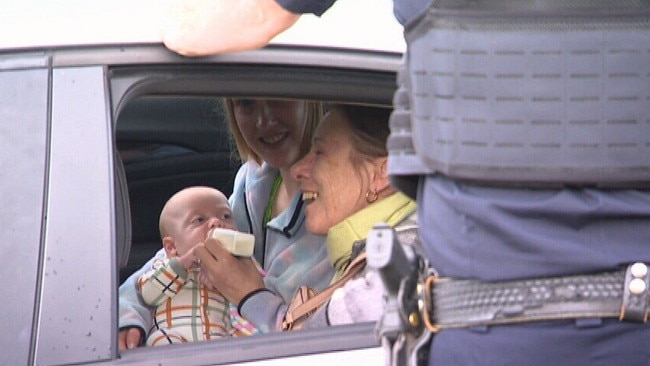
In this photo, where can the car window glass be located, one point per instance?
(167, 143)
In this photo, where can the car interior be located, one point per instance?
(166, 143)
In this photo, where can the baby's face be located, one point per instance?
(199, 211)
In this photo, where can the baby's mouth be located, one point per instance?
(309, 196)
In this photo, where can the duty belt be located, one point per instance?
(622, 294)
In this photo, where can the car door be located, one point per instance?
(24, 83)
(78, 273)
(73, 201)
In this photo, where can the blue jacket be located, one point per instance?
(291, 256)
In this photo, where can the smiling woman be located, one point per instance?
(345, 187)
(345, 169)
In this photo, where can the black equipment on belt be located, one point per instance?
(419, 303)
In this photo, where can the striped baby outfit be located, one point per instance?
(184, 311)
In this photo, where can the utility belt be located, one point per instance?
(622, 294)
(420, 303)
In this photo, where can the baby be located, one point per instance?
(185, 310)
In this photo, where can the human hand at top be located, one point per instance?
(234, 277)
(188, 26)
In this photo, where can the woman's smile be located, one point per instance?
(309, 196)
(273, 139)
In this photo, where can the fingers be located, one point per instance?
(205, 281)
(234, 277)
(215, 248)
(210, 268)
(206, 259)
(129, 338)
(133, 338)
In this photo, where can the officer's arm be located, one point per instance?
(204, 27)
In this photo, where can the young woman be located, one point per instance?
(270, 136)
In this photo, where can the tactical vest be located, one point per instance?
(534, 93)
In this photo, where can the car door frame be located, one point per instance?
(77, 292)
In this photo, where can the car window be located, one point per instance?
(171, 132)
(163, 152)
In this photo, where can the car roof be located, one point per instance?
(358, 24)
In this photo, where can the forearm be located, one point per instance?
(204, 27)
(265, 310)
(133, 312)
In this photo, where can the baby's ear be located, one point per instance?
(169, 246)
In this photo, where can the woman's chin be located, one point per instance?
(279, 155)
(315, 228)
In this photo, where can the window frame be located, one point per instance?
(270, 80)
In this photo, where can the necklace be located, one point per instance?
(274, 192)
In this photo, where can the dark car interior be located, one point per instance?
(167, 143)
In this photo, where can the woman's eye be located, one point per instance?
(245, 104)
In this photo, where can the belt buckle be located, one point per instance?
(636, 293)
(426, 304)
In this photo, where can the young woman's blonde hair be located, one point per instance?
(313, 114)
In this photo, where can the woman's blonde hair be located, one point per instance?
(313, 114)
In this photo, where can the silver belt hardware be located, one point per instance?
(401, 329)
(636, 293)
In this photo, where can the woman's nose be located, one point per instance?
(301, 169)
(267, 116)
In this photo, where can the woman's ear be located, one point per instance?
(169, 246)
(380, 179)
